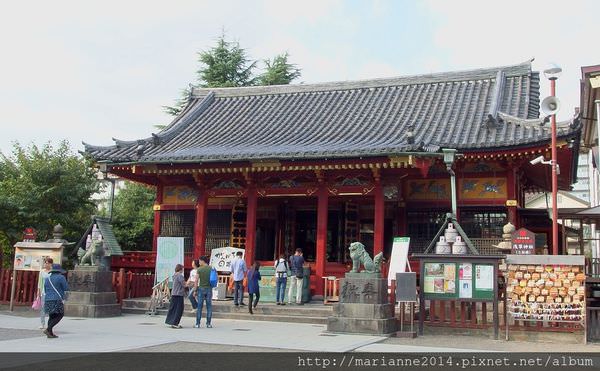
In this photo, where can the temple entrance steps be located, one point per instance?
(314, 312)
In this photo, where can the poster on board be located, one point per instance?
(169, 253)
(466, 289)
(399, 257)
(484, 277)
(221, 258)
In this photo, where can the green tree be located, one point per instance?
(279, 71)
(133, 216)
(228, 65)
(225, 65)
(41, 187)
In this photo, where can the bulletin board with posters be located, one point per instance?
(462, 278)
(458, 280)
(30, 256)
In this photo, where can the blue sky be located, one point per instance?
(90, 71)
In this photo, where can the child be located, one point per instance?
(253, 289)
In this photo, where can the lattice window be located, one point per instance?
(483, 223)
(424, 224)
(179, 223)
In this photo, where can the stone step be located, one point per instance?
(315, 313)
(244, 315)
(309, 310)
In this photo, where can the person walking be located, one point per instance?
(54, 286)
(238, 270)
(191, 284)
(176, 307)
(204, 292)
(281, 270)
(297, 267)
(41, 292)
(253, 287)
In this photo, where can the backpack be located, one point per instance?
(285, 264)
(214, 278)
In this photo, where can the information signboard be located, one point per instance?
(399, 257)
(523, 242)
(456, 280)
(30, 256)
(169, 253)
(221, 258)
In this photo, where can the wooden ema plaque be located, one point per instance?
(523, 242)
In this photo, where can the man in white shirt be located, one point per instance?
(238, 271)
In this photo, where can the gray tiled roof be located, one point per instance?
(479, 109)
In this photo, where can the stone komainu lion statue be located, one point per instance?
(93, 255)
(360, 256)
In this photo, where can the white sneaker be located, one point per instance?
(42, 327)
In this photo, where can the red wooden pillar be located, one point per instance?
(156, 227)
(379, 218)
(512, 195)
(200, 224)
(251, 225)
(321, 258)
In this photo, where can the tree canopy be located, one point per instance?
(227, 64)
(133, 216)
(41, 187)
(279, 71)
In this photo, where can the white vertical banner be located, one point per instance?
(399, 258)
(169, 253)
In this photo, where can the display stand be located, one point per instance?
(546, 288)
(30, 256)
(406, 294)
(445, 277)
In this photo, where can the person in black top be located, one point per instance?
(297, 278)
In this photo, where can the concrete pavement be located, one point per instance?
(134, 332)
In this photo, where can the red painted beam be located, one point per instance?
(378, 219)
(251, 225)
(321, 259)
(200, 224)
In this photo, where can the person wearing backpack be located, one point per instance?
(297, 267)
(281, 270)
(204, 292)
(253, 288)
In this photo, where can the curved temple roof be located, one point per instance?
(475, 110)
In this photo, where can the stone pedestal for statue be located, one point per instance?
(364, 307)
(91, 293)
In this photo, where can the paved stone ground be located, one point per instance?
(19, 333)
(185, 347)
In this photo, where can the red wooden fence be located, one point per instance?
(126, 285)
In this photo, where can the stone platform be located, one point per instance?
(91, 294)
(363, 307)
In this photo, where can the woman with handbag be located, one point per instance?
(176, 306)
(55, 287)
(41, 292)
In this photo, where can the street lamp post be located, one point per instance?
(552, 74)
(449, 156)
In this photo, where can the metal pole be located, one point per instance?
(554, 177)
(593, 180)
(12, 289)
(112, 198)
(453, 190)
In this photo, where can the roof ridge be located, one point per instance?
(448, 76)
